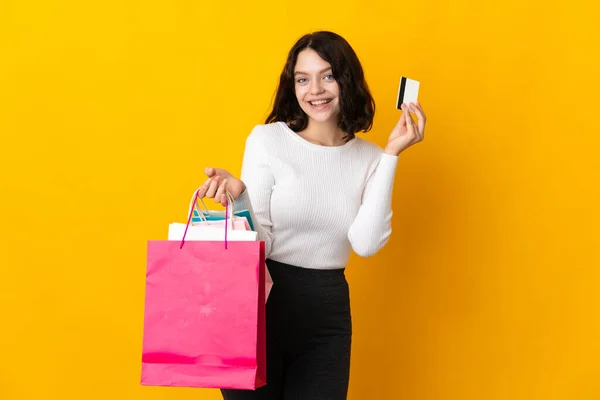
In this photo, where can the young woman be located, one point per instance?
(316, 192)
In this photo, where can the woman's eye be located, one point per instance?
(329, 77)
(301, 80)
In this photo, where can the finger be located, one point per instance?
(401, 121)
(212, 188)
(405, 114)
(420, 117)
(422, 112)
(419, 107)
(204, 188)
(409, 120)
(209, 171)
(410, 126)
(221, 191)
(417, 111)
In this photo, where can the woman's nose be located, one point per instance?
(316, 87)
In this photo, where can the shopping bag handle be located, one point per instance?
(201, 212)
(194, 200)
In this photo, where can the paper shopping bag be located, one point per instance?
(200, 213)
(213, 230)
(204, 317)
(204, 313)
(211, 215)
(204, 223)
(237, 223)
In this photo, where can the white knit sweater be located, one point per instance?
(312, 204)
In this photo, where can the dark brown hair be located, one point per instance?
(357, 107)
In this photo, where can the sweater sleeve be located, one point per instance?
(258, 178)
(372, 226)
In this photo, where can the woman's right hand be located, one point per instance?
(218, 181)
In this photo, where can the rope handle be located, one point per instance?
(191, 213)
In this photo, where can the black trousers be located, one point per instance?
(309, 332)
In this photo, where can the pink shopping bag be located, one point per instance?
(204, 316)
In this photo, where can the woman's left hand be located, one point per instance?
(407, 132)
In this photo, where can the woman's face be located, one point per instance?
(316, 89)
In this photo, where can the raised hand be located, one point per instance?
(407, 132)
(219, 181)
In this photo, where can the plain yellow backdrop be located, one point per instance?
(489, 287)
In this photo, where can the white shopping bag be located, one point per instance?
(212, 232)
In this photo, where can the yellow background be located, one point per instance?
(489, 288)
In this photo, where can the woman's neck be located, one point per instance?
(323, 133)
